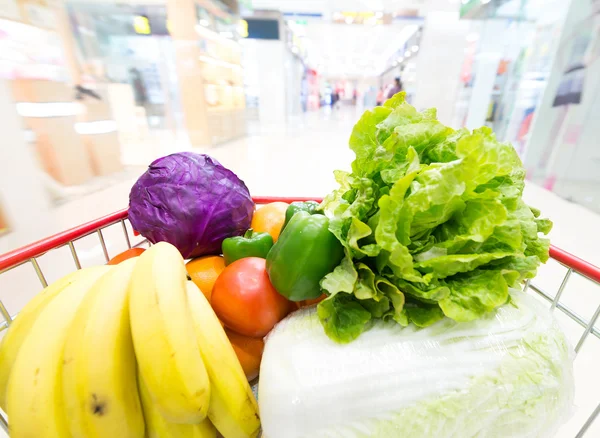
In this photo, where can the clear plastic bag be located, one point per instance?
(509, 374)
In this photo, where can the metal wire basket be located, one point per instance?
(29, 255)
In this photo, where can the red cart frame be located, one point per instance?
(30, 253)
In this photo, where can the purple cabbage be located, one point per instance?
(191, 201)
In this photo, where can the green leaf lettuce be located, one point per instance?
(432, 222)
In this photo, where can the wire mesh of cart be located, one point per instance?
(573, 267)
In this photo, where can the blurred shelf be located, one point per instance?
(216, 37)
(218, 110)
(207, 59)
(226, 124)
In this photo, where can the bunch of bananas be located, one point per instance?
(133, 350)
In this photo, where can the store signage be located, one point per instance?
(243, 28)
(263, 28)
(141, 25)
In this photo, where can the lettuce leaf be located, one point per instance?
(343, 318)
(474, 294)
(432, 221)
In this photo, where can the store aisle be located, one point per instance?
(298, 160)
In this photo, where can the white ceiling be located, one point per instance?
(328, 6)
(354, 50)
(348, 50)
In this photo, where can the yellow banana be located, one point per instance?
(158, 427)
(233, 409)
(99, 372)
(163, 336)
(34, 394)
(20, 327)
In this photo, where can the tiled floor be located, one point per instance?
(298, 160)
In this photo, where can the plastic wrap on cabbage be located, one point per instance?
(191, 201)
(508, 374)
(432, 222)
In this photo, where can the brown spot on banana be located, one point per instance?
(98, 407)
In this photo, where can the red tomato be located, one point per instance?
(246, 301)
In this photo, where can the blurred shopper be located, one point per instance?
(139, 89)
(396, 88)
(82, 92)
(380, 95)
(335, 99)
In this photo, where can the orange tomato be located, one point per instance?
(269, 219)
(130, 253)
(246, 301)
(204, 272)
(249, 352)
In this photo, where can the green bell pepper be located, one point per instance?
(251, 244)
(305, 252)
(308, 206)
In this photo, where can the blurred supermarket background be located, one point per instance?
(92, 90)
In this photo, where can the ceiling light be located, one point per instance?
(395, 63)
(400, 59)
(414, 48)
(378, 14)
(485, 2)
(204, 22)
(407, 53)
(349, 20)
(96, 127)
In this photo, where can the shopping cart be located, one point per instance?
(31, 253)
